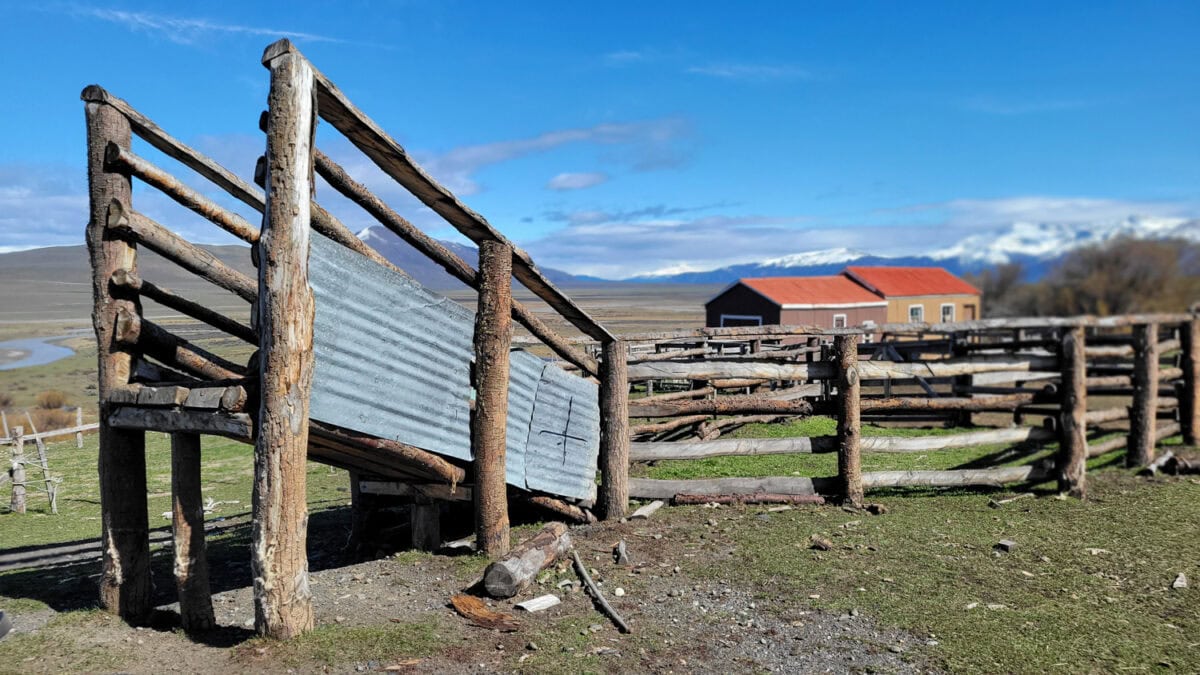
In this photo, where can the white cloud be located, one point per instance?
(188, 30)
(576, 181)
(748, 72)
(1050, 209)
(624, 57)
(997, 106)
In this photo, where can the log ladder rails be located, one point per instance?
(781, 372)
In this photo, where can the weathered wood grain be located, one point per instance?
(1072, 421)
(512, 573)
(493, 337)
(187, 526)
(613, 497)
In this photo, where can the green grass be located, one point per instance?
(227, 476)
(924, 563)
(333, 645)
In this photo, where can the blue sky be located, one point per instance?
(627, 138)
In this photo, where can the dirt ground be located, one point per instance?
(392, 614)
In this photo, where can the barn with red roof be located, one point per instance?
(916, 294)
(828, 302)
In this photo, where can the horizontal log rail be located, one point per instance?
(653, 451)
(671, 396)
(712, 369)
(180, 251)
(728, 405)
(454, 265)
(975, 404)
(124, 278)
(667, 355)
(388, 155)
(157, 342)
(1121, 441)
(671, 425)
(238, 426)
(53, 433)
(125, 161)
(215, 396)
(391, 451)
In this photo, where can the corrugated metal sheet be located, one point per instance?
(564, 436)
(392, 360)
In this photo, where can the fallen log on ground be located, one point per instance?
(760, 498)
(508, 575)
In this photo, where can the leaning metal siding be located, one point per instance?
(392, 360)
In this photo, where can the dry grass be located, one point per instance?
(52, 399)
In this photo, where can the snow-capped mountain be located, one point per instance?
(1037, 246)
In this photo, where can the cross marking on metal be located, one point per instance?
(563, 434)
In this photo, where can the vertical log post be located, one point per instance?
(493, 337)
(282, 600)
(187, 526)
(79, 423)
(124, 520)
(17, 503)
(962, 383)
(1144, 411)
(614, 432)
(1189, 402)
(427, 524)
(1072, 424)
(849, 432)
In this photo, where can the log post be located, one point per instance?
(493, 337)
(187, 526)
(1143, 412)
(79, 423)
(849, 431)
(1072, 426)
(124, 522)
(427, 524)
(614, 432)
(962, 383)
(1189, 402)
(282, 600)
(17, 503)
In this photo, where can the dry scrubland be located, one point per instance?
(1087, 588)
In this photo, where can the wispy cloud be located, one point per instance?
(749, 72)
(997, 106)
(625, 57)
(187, 30)
(576, 181)
(1050, 209)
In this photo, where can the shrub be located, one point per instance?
(52, 399)
(6, 400)
(49, 419)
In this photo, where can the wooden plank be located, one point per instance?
(282, 600)
(1143, 411)
(613, 496)
(238, 426)
(166, 297)
(389, 156)
(187, 526)
(1072, 421)
(458, 268)
(438, 491)
(849, 432)
(179, 251)
(125, 587)
(124, 160)
(493, 336)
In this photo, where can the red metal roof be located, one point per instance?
(906, 281)
(818, 291)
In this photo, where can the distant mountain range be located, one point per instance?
(1036, 246)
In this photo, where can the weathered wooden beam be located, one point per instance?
(668, 355)
(124, 522)
(187, 527)
(648, 488)
(561, 508)
(282, 600)
(1189, 401)
(411, 489)
(493, 336)
(848, 405)
(636, 403)
(458, 268)
(124, 160)
(613, 497)
(993, 477)
(507, 576)
(425, 524)
(868, 370)
(1072, 421)
(124, 278)
(977, 404)
(1143, 411)
(153, 340)
(179, 251)
(426, 463)
(1094, 417)
(238, 426)
(671, 425)
(726, 405)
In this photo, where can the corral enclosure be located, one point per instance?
(358, 366)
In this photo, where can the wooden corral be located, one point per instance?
(151, 379)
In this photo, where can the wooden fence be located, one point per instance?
(700, 383)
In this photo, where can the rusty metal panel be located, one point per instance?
(391, 359)
(564, 436)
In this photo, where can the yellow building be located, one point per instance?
(920, 294)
